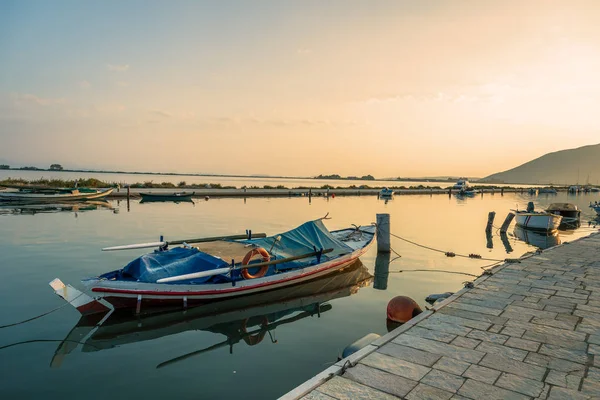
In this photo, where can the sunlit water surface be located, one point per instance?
(35, 248)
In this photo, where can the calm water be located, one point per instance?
(141, 357)
(225, 181)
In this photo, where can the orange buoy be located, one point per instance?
(252, 340)
(265, 258)
(402, 308)
(333, 195)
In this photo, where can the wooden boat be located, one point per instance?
(29, 208)
(596, 207)
(218, 269)
(536, 220)
(246, 318)
(177, 196)
(571, 214)
(52, 197)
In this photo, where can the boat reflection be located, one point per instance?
(541, 240)
(247, 318)
(75, 207)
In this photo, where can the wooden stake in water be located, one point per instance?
(490, 223)
(507, 222)
(383, 233)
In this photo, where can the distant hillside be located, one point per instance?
(565, 167)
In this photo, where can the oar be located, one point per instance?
(198, 240)
(220, 271)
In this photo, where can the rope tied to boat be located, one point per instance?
(42, 315)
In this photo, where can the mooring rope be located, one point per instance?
(41, 315)
(434, 270)
(45, 341)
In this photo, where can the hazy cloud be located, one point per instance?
(117, 68)
(122, 84)
(161, 113)
(33, 99)
(84, 84)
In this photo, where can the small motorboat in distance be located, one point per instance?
(571, 214)
(537, 220)
(462, 183)
(219, 268)
(386, 192)
(177, 196)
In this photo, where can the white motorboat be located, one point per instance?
(386, 192)
(537, 220)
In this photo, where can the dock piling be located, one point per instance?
(490, 222)
(507, 222)
(383, 233)
(382, 270)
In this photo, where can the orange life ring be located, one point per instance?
(265, 257)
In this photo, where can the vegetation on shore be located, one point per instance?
(96, 183)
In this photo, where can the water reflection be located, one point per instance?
(74, 207)
(541, 240)
(246, 319)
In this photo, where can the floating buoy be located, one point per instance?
(402, 308)
(359, 344)
(206, 198)
(333, 195)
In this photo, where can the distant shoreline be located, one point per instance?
(400, 179)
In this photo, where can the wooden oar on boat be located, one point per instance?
(174, 242)
(220, 271)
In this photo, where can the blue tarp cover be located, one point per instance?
(177, 261)
(303, 240)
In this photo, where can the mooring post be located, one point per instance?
(383, 233)
(490, 223)
(507, 222)
(502, 191)
(128, 192)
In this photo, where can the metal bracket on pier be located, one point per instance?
(138, 307)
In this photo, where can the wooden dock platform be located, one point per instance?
(531, 330)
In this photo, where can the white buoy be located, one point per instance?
(383, 233)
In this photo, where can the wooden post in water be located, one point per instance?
(507, 222)
(490, 223)
(128, 194)
(383, 233)
(382, 271)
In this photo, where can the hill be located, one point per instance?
(565, 167)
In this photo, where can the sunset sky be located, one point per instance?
(297, 88)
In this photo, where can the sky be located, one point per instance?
(297, 88)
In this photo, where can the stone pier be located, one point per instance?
(530, 330)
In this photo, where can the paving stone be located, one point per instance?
(431, 334)
(529, 311)
(495, 328)
(471, 316)
(563, 379)
(542, 291)
(380, 380)
(558, 393)
(487, 336)
(560, 310)
(594, 373)
(451, 365)
(478, 309)
(595, 339)
(473, 389)
(465, 342)
(409, 354)
(577, 356)
(316, 395)
(556, 323)
(457, 397)
(426, 392)
(443, 380)
(513, 366)
(509, 352)
(520, 384)
(591, 388)
(437, 325)
(568, 317)
(512, 331)
(555, 363)
(452, 319)
(482, 374)
(443, 349)
(495, 303)
(517, 316)
(523, 344)
(395, 366)
(346, 389)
